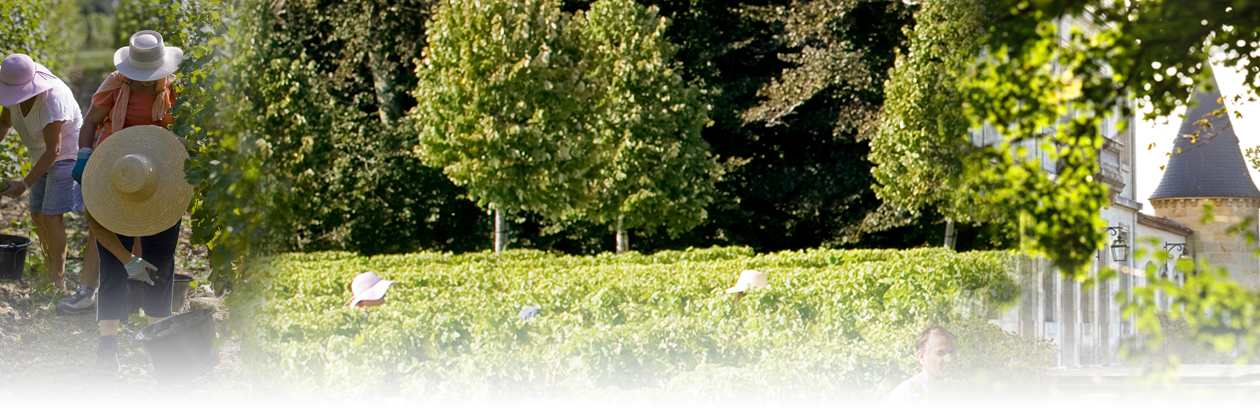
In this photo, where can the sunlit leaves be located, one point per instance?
(502, 105)
(659, 171)
(831, 324)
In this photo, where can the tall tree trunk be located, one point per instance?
(500, 231)
(623, 236)
(949, 232)
(383, 79)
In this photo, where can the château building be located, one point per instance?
(1206, 169)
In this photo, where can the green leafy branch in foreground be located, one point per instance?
(1054, 73)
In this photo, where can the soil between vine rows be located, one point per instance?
(49, 357)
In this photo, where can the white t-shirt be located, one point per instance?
(915, 389)
(55, 104)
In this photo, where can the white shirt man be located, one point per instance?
(936, 352)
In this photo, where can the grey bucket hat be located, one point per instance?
(147, 58)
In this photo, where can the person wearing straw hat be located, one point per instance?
(139, 92)
(134, 187)
(133, 183)
(47, 118)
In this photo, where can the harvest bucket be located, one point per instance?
(182, 346)
(13, 256)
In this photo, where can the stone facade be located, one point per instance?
(1212, 240)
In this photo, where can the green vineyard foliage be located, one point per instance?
(832, 324)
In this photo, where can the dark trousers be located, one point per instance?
(111, 296)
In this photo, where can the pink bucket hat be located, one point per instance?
(21, 78)
(367, 286)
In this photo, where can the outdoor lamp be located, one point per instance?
(1119, 248)
(1180, 246)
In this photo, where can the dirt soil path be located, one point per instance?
(48, 357)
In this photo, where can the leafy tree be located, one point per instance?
(661, 173)
(502, 96)
(333, 174)
(823, 107)
(923, 153)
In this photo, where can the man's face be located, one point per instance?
(937, 358)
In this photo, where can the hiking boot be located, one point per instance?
(75, 296)
(107, 355)
(81, 301)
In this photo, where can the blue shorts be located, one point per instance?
(56, 192)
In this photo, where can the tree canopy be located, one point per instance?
(660, 172)
(502, 93)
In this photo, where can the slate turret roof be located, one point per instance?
(1211, 166)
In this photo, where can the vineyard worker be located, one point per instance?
(135, 188)
(132, 198)
(936, 352)
(369, 290)
(47, 118)
(748, 279)
(140, 92)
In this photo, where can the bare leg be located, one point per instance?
(107, 239)
(91, 263)
(38, 219)
(109, 326)
(48, 245)
(55, 228)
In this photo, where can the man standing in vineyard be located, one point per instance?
(936, 351)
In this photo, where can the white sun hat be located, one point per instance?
(367, 286)
(146, 57)
(134, 183)
(749, 279)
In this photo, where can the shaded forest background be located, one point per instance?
(795, 89)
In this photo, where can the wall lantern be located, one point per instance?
(1119, 248)
(1179, 246)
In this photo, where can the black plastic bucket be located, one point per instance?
(182, 346)
(13, 256)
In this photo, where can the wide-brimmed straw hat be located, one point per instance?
(134, 183)
(147, 58)
(21, 78)
(367, 286)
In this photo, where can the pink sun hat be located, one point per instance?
(21, 78)
(367, 286)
